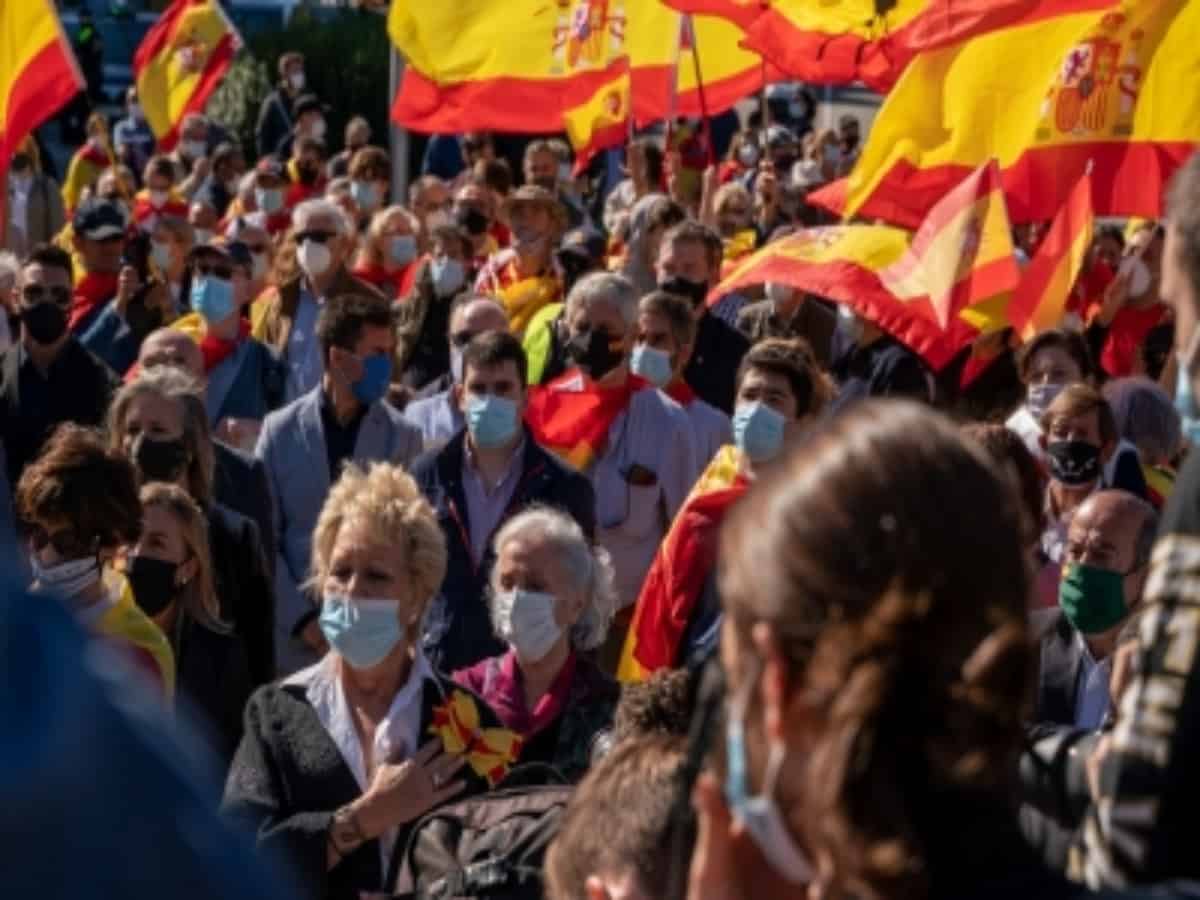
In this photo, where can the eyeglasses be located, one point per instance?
(36, 293)
(217, 270)
(461, 338)
(319, 237)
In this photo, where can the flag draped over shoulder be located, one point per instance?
(571, 416)
(180, 62)
(1041, 299)
(684, 561)
(843, 263)
(38, 72)
(1103, 87)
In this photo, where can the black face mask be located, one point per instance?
(472, 219)
(20, 163)
(308, 174)
(153, 583)
(159, 460)
(46, 322)
(695, 291)
(1073, 463)
(591, 351)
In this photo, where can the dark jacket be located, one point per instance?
(812, 321)
(240, 483)
(1060, 662)
(78, 389)
(288, 778)
(274, 121)
(992, 394)
(212, 676)
(280, 314)
(712, 370)
(423, 346)
(458, 627)
(244, 586)
(883, 368)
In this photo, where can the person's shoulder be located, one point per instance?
(753, 311)
(705, 413)
(1045, 624)
(236, 525)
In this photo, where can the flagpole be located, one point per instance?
(764, 108)
(712, 156)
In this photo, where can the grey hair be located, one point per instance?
(1146, 417)
(605, 287)
(319, 206)
(588, 567)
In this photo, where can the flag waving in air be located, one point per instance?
(180, 62)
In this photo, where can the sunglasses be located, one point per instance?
(36, 293)
(460, 339)
(65, 543)
(216, 270)
(319, 237)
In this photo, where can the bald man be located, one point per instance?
(1105, 564)
(239, 480)
(437, 415)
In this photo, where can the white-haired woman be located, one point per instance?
(341, 758)
(552, 598)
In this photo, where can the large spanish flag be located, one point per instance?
(38, 72)
(180, 62)
(684, 561)
(843, 263)
(1073, 82)
(1041, 299)
(963, 251)
(522, 65)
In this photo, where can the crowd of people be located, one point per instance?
(385, 492)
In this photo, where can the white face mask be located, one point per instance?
(194, 150)
(525, 619)
(203, 235)
(315, 259)
(1039, 397)
(296, 79)
(1138, 273)
(259, 271)
(65, 579)
(318, 129)
(158, 198)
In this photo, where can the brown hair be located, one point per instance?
(632, 791)
(793, 359)
(199, 594)
(76, 479)
(662, 705)
(676, 310)
(160, 165)
(495, 174)
(491, 348)
(690, 231)
(1014, 460)
(1069, 342)
(1079, 400)
(371, 163)
(903, 627)
(343, 318)
(50, 256)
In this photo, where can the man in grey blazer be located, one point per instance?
(305, 444)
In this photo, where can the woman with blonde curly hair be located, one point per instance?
(339, 760)
(878, 669)
(552, 599)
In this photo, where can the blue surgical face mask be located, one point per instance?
(759, 814)
(491, 420)
(269, 200)
(377, 375)
(362, 631)
(212, 298)
(758, 431)
(652, 364)
(1185, 395)
(161, 254)
(365, 194)
(448, 276)
(403, 249)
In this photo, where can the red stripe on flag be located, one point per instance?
(47, 83)
(218, 64)
(160, 34)
(741, 12)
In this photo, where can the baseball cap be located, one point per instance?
(98, 219)
(235, 252)
(586, 244)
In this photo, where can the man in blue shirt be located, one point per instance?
(133, 140)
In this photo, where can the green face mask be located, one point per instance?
(1092, 599)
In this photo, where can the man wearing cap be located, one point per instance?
(309, 122)
(276, 115)
(522, 277)
(285, 318)
(47, 377)
(98, 239)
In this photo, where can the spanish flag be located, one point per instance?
(963, 251)
(180, 62)
(38, 72)
(843, 263)
(1071, 83)
(571, 416)
(601, 119)
(685, 560)
(1041, 299)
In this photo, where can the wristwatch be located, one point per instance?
(345, 832)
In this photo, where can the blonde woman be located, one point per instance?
(170, 573)
(340, 759)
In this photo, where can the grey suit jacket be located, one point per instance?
(292, 448)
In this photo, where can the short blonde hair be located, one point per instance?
(388, 500)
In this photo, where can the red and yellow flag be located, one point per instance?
(684, 561)
(601, 119)
(963, 251)
(38, 72)
(1041, 299)
(1071, 83)
(843, 263)
(571, 416)
(180, 62)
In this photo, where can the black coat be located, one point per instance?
(1060, 663)
(212, 677)
(288, 778)
(883, 368)
(244, 586)
(240, 483)
(458, 627)
(712, 370)
(274, 121)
